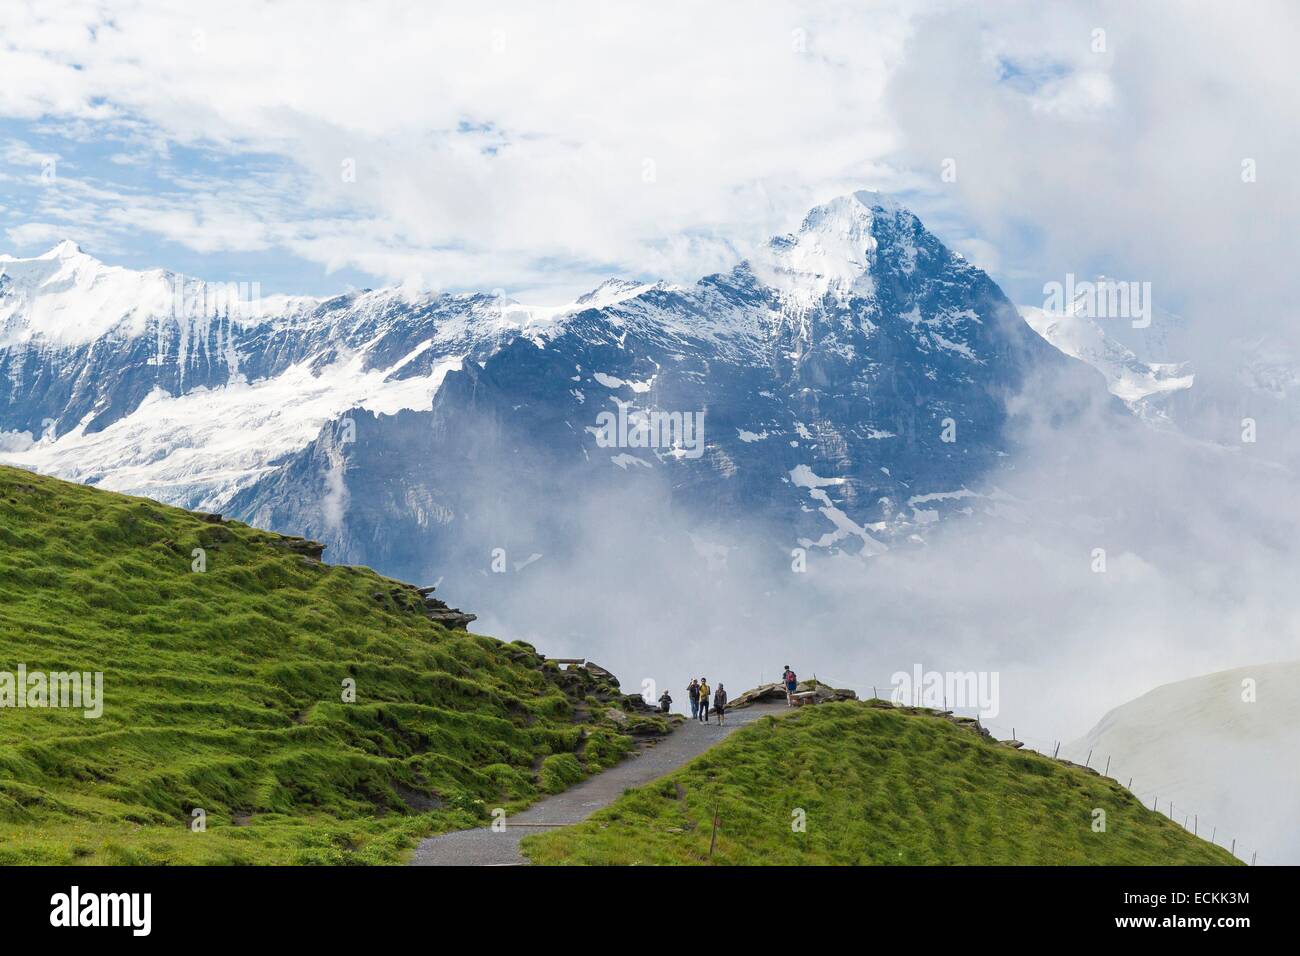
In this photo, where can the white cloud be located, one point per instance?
(520, 136)
(510, 146)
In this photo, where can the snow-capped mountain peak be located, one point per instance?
(65, 297)
(867, 337)
(65, 249)
(836, 245)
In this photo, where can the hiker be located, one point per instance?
(693, 692)
(720, 701)
(665, 702)
(704, 699)
(791, 685)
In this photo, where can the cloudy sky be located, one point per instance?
(540, 149)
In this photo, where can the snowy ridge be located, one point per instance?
(66, 297)
(231, 391)
(1140, 385)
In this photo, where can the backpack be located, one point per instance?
(790, 678)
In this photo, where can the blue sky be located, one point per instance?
(98, 169)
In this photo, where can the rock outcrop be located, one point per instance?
(309, 549)
(819, 694)
(438, 611)
(407, 597)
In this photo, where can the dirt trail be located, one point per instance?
(485, 847)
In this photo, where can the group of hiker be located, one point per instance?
(705, 700)
(698, 693)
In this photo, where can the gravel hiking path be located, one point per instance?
(485, 847)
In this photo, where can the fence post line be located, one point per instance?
(1089, 760)
(1252, 857)
(1196, 824)
(1107, 772)
(1234, 846)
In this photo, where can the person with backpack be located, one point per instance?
(791, 685)
(693, 692)
(720, 702)
(704, 700)
(665, 701)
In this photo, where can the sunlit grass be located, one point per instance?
(223, 691)
(873, 785)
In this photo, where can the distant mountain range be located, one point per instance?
(852, 385)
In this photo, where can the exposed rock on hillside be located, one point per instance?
(769, 692)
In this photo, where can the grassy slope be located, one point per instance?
(223, 691)
(877, 785)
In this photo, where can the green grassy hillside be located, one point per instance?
(223, 690)
(875, 785)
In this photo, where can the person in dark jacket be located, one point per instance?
(720, 701)
(693, 692)
(665, 701)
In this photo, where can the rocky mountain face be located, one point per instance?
(852, 385)
(843, 391)
(158, 384)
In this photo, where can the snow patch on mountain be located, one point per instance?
(199, 448)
